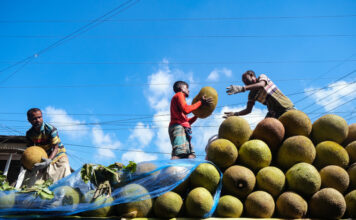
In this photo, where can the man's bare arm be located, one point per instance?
(54, 152)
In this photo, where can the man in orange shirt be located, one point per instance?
(180, 126)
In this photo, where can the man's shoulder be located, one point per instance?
(263, 77)
(48, 127)
(178, 95)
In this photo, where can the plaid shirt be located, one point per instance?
(262, 94)
(46, 138)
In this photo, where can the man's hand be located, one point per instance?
(206, 101)
(228, 114)
(39, 166)
(235, 89)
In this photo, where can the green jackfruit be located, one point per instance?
(271, 180)
(334, 177)
(229, 207)
(350, 199)
(206, 110)
(295, 123)
(101, 212)
(351, 136)
(235, 129)
(199, 202)
(303, 178)
(205, 175)
(330, 153)
(330, 128)
(222, 152)
(295, 150)
(168, 205)
(255, 154)
(352, 174)
(351, 150)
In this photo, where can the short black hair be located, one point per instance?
(177, 86)
(32, 110)
(248, 72)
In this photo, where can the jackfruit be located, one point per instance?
(351, 136)
(238, 181)
(173, 174)
(255, 154)
(146, 167)
(330, 128)
(229, 207)
(334, 177)
(294, 150)
(351, 150)
(206, 110)
(330, 153)
(271, 180)
(205, 175)
(65, 196)
(352, 174)
(33, 155)
(259, 204)
(199, 202)
(141, 208)
(291, 205)
(235, 129)
(103, 199)
(350, 199)
(303, 178)
(271, 131)
(168, 205)
(327, 203)
(295, 123)
(222, 152)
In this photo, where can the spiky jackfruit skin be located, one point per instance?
(255, 154)
(350, 199)
(238, 181)
(295, 123)
(334, 177)
(351, 135)
(327, 203)
(168, 205)
(295, 150)
(330, 153)
(352, 174)
(304, 179)
(291, 205)
(33, 155)
(206, 110)
(351, 150)
(330, 128)
(271, 180)
(222, 152)
(7, 199)
(101, 212)
(271, 131)
(235, 129)
(229, 207)
(141, 208)
(199, 202)
(259, 204)
(205, 175)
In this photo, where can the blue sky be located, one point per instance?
(109, 88)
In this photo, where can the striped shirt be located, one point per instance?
(46, 138)
(262, 94)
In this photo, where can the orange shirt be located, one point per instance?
(180, 109)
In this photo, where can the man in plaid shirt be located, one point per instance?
(263, 90)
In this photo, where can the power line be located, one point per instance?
(181, 36)
(181, 19)
(122, 7)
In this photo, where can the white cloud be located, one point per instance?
(216, 73)
(334, 95)
(106, 143)
(137, 157)
(65, 124)
(161, 120)
(141, 134)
